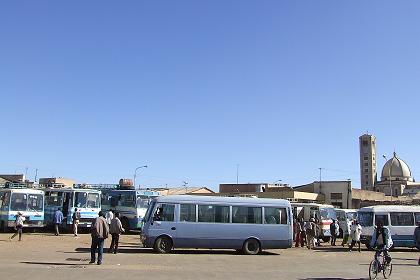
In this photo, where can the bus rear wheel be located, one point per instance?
(251, 247)
(163, 245)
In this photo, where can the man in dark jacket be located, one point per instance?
(100, 232)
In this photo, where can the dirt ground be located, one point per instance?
(45, 256)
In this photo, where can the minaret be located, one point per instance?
(367, 144)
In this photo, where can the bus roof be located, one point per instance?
(346, 210)
(137, 192)
(311, 204)
(71, 190)
(26, 190)
(390, 208)
(223, 200)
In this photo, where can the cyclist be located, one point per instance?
(381, 240)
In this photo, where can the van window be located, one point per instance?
(417, 217)
(383, 218)
(365, 219)
(187, 213)
(213, 214)
(274, 215)
(402, 219)
(246, 215)
(165, 213)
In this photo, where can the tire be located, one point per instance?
(251, 247)
(387, 271)
(373, 270)
(163, 245)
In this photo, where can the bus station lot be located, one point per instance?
(45, 256)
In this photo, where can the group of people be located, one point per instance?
(353, 232)
(307, 232)
(102, 226)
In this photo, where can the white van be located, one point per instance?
(401, 221)
(188, 221)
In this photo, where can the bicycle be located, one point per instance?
(383, 265)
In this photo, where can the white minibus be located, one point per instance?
(401, 221)
(189, 221)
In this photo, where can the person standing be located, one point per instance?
(310, 233)
(58, 219)
(334, 230)
(299, 231)
(417, 238)
(100, 232)
(356, 232)
(20, 219)
(109, 216)
(76, 220)
(115, 229)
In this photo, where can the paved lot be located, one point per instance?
(44, 256)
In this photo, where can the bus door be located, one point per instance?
(66, 203)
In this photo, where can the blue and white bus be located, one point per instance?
(87, 201)
(30, 202)
(400, 220)
(131, 204)
(189, 221)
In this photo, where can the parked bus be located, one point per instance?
(87, 201)
(30, 202)
(401, 221)
(322, 212)
(131, 204)
(344, 217)
(189, 221)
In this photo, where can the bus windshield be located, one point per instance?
(328, 213)
(86, 200)
(365, 219)
(143, 201)
(26, 202)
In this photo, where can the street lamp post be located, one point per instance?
(390, 168)
(135, 174)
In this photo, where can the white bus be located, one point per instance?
(324, 213)
(401, 221)
(30, 202)
(344, 217)
(247, 224)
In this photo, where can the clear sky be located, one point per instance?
(92, 89)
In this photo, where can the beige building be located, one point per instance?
(56, 182)
(337, 193)
(182, 190)
(368, 171)
(251, 188)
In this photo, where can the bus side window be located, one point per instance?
(383, 218)
(114, 201)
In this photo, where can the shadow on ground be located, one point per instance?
(137, 250)
(333, 278)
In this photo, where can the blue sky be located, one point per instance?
(92, 89)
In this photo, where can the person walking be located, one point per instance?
(58, 219)
(417, 238)
(334, 230)
(356, 232)
(76, 220)
(20, 219)
(100, 232)
(346, 233)
(115, 229)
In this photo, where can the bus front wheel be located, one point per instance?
(163, 245)
(251, 247)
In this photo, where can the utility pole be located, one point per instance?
(320, 178)
(36, 174)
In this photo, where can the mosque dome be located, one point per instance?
(399, 170)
